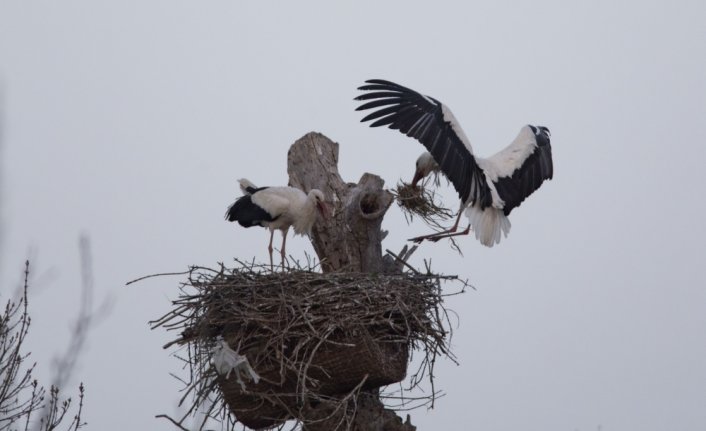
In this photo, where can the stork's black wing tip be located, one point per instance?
(367, 84)
(372, 84)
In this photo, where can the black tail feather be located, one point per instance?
(246, 213)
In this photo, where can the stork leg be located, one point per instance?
(442, 235)
(269, 249)
(282, 250)
(445, 233)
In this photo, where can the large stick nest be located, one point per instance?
(313, 338)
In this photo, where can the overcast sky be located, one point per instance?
(131, 121)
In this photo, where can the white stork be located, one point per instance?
(277, 208)
(489, 188)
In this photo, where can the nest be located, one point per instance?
(421, 202)
(311, 337)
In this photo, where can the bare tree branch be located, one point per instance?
(23, 401)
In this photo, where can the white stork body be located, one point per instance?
(277, 208)
(489, 188)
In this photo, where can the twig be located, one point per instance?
(177, 424)
(402, 261)
(156, 275)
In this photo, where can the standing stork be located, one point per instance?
(277, 208)
(489, 188)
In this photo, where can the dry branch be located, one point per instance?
(421, 202)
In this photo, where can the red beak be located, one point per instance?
(417, 176)
(323, 209)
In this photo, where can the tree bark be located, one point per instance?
(351, 241)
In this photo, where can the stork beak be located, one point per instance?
(417, 176)
(323, 209)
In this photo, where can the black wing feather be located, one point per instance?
(538, 167)
(422, 118)
(246, 213)
(376, 95)
(380, 113)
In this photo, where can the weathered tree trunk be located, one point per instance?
(351, 239)
(348, 241)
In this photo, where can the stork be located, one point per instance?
(277, 208)
(489, 188)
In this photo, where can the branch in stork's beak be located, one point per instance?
(417, 176)
(323, 209)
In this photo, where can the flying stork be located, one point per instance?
(277, 208)
(489, 188)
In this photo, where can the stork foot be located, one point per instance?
(419, 239)
(451, 234)
(441, 235)
(433, 236)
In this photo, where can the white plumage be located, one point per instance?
(489, 188)
(277, 208)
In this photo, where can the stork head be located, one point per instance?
(541, 134)
(318, 198)
(425, 165)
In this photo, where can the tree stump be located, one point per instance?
(350, 241)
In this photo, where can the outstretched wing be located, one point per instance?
(431, 123)
(519, 169)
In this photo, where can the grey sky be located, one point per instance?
(131, 121)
